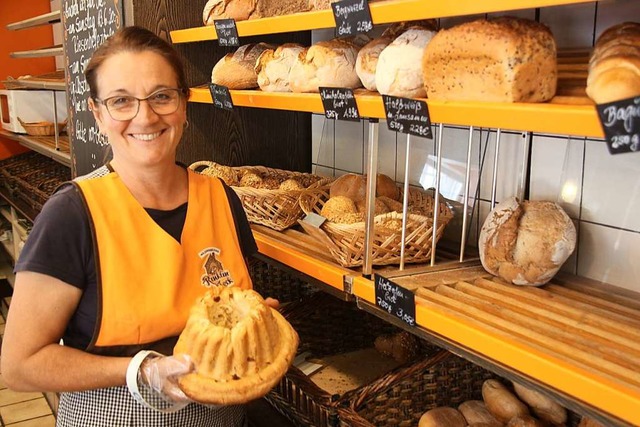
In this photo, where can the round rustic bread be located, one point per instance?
(526, 243)
(240, 347)
(442, 417)
(354, 186)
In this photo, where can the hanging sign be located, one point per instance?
(227, 32)
(620, 122)
(339, 104)
(395, 300)
(407, 115)
(221, 97)
(352, 17)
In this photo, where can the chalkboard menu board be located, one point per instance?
(86, 24)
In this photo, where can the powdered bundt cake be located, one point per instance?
(240, 346)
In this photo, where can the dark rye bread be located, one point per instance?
(501, 60)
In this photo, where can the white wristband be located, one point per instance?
(132, 382)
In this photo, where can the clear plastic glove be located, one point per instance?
(161, 373)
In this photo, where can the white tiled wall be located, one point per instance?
(599, 191)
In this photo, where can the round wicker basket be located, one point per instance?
(346, 242)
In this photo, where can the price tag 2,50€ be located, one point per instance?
(620, 122)
(352, 17)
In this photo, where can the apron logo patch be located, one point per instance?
(214, 272)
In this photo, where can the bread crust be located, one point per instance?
(237, 70)
(502, 60)
(526, 244)
(328, 63)
(273, 67)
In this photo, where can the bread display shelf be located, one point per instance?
(569, 119)
(39, 53)
(381, 13)
(577, 337)
(47, 18)
(20, 206)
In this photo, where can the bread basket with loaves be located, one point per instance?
(344, 232)
(269, 196)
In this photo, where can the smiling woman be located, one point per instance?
(114, 261)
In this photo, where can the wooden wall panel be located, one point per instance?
(246, 136)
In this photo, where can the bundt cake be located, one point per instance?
(240, 347)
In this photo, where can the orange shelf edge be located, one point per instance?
(381, 13)
(577, 120)
(599, 391)
(326, 273)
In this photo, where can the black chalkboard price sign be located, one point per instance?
(395, 300)
(407, 115)
(86, 25)
(221, 97)
(339, 103)
(352, 17)
(227, 32)
(620, 122)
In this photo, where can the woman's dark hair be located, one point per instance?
(134, 39)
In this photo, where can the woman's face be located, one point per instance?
(148, 139)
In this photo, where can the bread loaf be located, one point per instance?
(367, 61)
(329, 63)
(442, 417)
(589, 422)
(525, 421)
(237, 70)
(355, 187)
(614, 67)
(241, 10)
(476, 412)
(273, 67)
(503, 60)
(398, 71)
(501, 402)
(546, 409)
(394, 30)
(526, 243)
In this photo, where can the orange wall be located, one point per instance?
(10, 41)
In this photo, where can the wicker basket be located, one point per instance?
(36, 187)
(21, 165)
(42, 128)
(326, 326)
(346, 242)
(400, 398)
(270, 281)
(276, 209)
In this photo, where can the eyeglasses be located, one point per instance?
(125, 107)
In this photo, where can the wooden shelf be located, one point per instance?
(43, 84)
(45, 146)
(47, 18)
(39, 53)
(381, 13)
(573, 358)
(578, 120)
(23, 209)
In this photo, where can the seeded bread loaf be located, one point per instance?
(237, 70)
(614, 67)
(526, 243)
(502, 60)
(274, 67)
